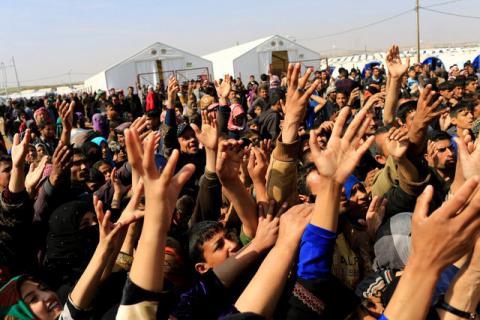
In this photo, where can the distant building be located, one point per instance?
(258, 57)
(150, 66)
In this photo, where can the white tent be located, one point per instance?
(446, 56)
(258, 57)
(150, 66)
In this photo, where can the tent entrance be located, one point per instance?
(160, 73)
(279, 62)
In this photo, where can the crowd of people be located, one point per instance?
(297, 196)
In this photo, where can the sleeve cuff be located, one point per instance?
(287, 152)
(316, 252)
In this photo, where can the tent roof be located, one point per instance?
(157, 50)
(236, 51)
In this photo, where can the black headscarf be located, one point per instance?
(69, 249)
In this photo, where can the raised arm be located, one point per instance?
(438, 240)
(396, 70)
(282, 171)
(336, 163)
(264, 290)
(19, 152)
(66, 115)
(161, 193)
(426, 112)
(209, 198)
(229, 159)
(464, 291)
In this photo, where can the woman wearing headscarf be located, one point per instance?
(100, 124)
(26, 297)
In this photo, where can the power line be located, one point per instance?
(359, 27)
(442, 3)
(376, 22)
(450, 14)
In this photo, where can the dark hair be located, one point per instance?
(198, 235)
(437, 135)
(43, 124)
(94, 175)
(471, 79)
(263, 86)
(405, 108)
(5, 158)
(264, 77)
(461, 106)
(100, 163)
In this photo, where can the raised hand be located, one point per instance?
(110, 235)
(377, 97)
(208, 134)
(397, 142)
(257, 165)
(20, 149)
(469, 156)
(427, 108)
(375, 216)
(444, 236)
(354, 95)
(395, 67)
(132, 212)
(116, 183)
(173, 89)
(163, 186)
(61, 162)
(342, 153)
(292, 224)
(229, 159)
(34, 174)
(223, 90)
(297, 96)
(139, 126)
(268, 224)
(66, 114)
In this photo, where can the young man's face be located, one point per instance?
(471, 86)
(48, 132)
(464, 119)
(121, 139)
(263, 93)
(188, 142)
(341, 99)
(5, 169)
(111, 113)
(445, 155)
(216, 250)
(458, 91)
(106, 170)
(447, 94)
(153, 123)
(79, 169)
(258, 111)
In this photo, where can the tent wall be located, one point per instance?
(247, 65)
(96, 82)
(122, 76)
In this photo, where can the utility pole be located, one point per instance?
(417, 8)
(16, 75)
(4, 75)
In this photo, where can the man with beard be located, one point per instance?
(440, 157)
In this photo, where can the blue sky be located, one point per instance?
(51, 37)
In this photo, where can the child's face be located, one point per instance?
(464, 119)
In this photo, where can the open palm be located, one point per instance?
(208, 134)
(338, 160)
(394, 63)
(397, 142)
